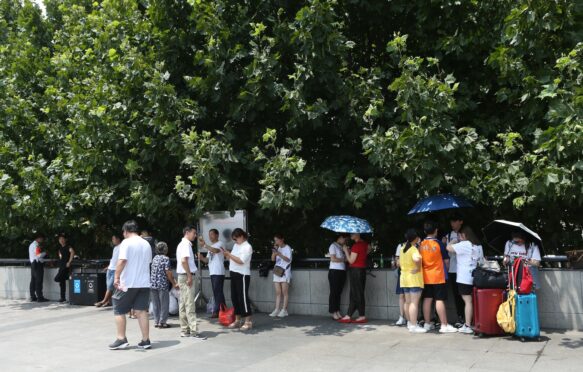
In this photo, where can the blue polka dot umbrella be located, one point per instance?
(347, 224)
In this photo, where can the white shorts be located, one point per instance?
(283, 279)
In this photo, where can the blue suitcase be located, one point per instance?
(526, 317)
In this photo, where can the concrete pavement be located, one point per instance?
(47, 337)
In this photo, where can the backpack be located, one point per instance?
(505, 314)
(522, 276)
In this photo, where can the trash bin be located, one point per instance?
(86, 288)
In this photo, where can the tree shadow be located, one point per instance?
(572, 343)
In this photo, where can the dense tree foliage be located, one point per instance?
(164, 109)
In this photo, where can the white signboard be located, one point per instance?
(225, 223)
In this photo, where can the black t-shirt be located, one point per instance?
(65, 255)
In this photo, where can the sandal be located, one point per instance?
(247, 326)
(164, 325)
(98, 304)
(234, 325)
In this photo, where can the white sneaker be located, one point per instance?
(274, 313)
(282, 314)
(410, 325)
(417, 329)
(448, 328)
(401, 321)
(429, 326)
(465, 329)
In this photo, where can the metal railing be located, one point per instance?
(314, 263)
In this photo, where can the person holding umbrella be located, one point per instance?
(520, 247)
(356, 257)
(525, 243)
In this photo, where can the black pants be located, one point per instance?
(336, 278)
(357, 284)
(217, 282)
(460, 305)
(240, 294)
(37, 272)
(63, 275)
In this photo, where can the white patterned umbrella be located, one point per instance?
(347, 224)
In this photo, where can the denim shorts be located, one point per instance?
(412, 289)
(109, 280)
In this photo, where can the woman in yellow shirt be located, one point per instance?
(411, 279)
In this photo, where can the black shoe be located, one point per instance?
(33, 299)
(197, 336)
(62, 300)
(145, 344)
(119, 344)
(42, 299)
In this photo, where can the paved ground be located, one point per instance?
(51, 336)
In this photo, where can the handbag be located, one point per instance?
(490, 265)
(488, 279)
(522, 277)
(279, 271)
(226, 315)
(505, 314)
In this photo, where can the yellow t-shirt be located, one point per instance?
(409, 280)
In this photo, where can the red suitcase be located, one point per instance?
(486, 304)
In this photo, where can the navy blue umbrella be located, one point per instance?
(440, 202)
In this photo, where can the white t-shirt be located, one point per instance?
(32, 253)
(336, 250)
(216, 260)
(243, 252)
(468, 256)
(138, 255)
(452, 237)
(184, 249)
(286, 251)
(114, 258)
(515, 250)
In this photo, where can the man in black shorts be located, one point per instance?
(132, 286)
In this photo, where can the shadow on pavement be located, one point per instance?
(571, 344)
(163, 344)
(316, 326)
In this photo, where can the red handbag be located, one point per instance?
(523, 281)
(226, 315)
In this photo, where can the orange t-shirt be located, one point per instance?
(432, 259)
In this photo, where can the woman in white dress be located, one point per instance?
(282, 255)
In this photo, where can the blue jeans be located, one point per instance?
(217, 282)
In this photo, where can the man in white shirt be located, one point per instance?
(216, 262)
(132, 285)
(37, 268)
(186, 270)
